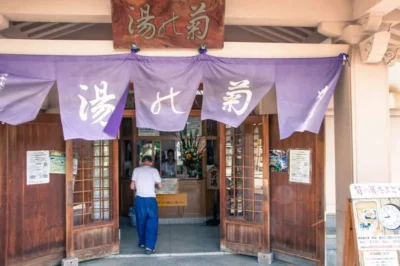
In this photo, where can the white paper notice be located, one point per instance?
(170, 186)
(299, 166)
(381, 258)
(37, 167)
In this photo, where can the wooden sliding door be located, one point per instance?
(92, 199)
(244, 187)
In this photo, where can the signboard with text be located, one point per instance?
(172, 200)
(168, 23)
(376, 219)
(212, 178)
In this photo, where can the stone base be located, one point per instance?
(265, 258)
(69, 261)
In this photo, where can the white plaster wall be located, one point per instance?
(394, 88)
(395, 149)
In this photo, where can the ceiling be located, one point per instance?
(103, 31)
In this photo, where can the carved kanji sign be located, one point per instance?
(168, 23)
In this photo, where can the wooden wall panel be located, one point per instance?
(36, 213)
(297, 210)
(242, 234)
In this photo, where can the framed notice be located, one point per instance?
(148, 132)
(37, 167)
(375, 212)
(300, 166)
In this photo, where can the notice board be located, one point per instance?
(375, 221)
(172, 200)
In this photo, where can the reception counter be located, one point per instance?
(195, 190)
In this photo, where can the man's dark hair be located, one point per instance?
(171, 150)
(147, 158)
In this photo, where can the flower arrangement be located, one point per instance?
(192, 147)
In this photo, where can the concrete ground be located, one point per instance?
(210, 260)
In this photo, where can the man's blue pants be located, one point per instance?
(146, 211)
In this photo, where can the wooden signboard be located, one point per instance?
(373, 225)
(212, 178)
(172, 200)
(168, 23)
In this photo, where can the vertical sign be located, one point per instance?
(213, 178)
(37, 167)
(168, 23)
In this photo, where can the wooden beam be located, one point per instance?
(254, 12)
(231, 49)
(258, 33)
(373, 49)
(63, 33)
(277, 34)
(291, 32)
(306, 31)
(393, 17)
(4, 23)
(39, 28)
(331, 29)
(53, 31)
(363, 7)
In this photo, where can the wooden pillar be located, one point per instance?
(361, 132)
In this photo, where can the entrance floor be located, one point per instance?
(173, 238)
(221, 260)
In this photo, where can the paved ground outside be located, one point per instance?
(217, 260)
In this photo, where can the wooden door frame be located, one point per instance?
(3, 193)
(70, 252)
(266, 193)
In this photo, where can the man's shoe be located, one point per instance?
(141, 246)
(149, 251)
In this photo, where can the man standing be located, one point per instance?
(145, 179)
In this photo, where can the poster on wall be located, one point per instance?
(376, 218)
(37, 167)
(58, 163)
(148, 132)
(300, 166)
(278, 161)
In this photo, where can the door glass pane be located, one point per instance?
(244, 172)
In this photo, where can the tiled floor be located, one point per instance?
(185, 238)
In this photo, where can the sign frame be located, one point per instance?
(168, 23)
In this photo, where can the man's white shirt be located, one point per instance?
(145, 178)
